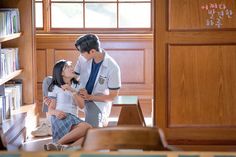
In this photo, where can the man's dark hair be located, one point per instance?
(87, 42)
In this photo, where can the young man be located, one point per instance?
(99, 77)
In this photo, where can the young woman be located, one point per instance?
(67, 128)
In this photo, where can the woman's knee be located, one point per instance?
(85, 125)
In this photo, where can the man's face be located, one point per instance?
(87, 56)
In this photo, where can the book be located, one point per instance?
(3, 106)
(9, 61)
(7, 109)
(2, 102)
(9, 21)
(1, 72)
(15, 88)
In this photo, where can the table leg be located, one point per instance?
(131, 115)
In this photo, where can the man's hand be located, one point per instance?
(84, 94)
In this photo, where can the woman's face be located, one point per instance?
(68, 70)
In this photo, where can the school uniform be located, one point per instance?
(106, 76)
(65, 103)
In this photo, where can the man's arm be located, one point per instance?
(102, 98)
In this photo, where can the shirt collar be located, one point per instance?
(105, 60)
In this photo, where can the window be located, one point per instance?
(95, 15)
(39, 13)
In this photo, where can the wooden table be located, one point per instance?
(131, 113)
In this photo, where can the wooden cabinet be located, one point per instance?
(195, 74)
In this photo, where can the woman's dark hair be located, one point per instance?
(87, 43)
(57, 78)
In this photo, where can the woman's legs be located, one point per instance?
(75, 134)
(78, 142)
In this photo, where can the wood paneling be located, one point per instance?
(194, 85)
(40, 92)
(201, 14)
(131, 64)
(41, 64)
(70, 55)
(202, 79)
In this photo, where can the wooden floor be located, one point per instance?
(32, 143)
(36, 144)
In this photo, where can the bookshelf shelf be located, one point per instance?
(10, 37)
(10, 76)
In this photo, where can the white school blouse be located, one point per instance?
(64, 99)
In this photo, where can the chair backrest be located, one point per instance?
(123, 137)
(2, 142)
(46, 82)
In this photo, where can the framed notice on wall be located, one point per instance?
(202, 15)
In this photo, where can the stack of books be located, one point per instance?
(9, 61)
(9, 21)
(12, 100)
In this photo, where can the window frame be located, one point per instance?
(48, 29)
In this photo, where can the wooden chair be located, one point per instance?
(124, 137)
(2, 142)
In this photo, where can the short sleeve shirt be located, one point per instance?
(108, 77)
(64, 99)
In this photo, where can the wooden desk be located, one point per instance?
(131, 113)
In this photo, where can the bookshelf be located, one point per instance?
(10, 37)
(17, 72)
(10, 76)
(13, 130)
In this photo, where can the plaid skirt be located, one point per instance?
(60, 127)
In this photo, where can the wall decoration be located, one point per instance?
(217, 13)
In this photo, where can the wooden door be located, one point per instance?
(195, 73)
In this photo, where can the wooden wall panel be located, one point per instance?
(40, 93)
(194, 82)
(202, 86)
(202, 14)
(41, 64)
(70, 55)
(132, 65)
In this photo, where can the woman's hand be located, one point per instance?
(47, 101)
(77, 77)
(60, 114)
